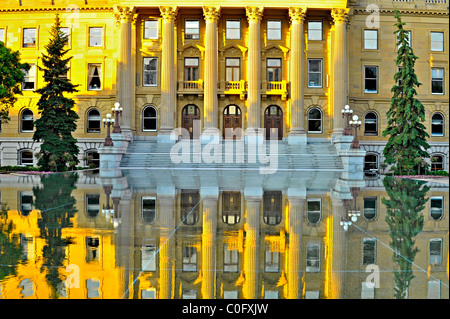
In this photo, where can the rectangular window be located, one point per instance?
(273, 29)
(29, 79)
(66, 32)
(191, 69)
(148, 209)
(151, 29)
(95, 37)
(435, 251)
(312, 257)
(437, 41)
(233, 30)
(95, 77)
(408, 39)
(230, 258)
(371, 79)
(437, 80)
(189, 258)
(29, 37)
(371, 39)
(314, 73)
(232, 69)
(92, 204)
(315, 30)
(271, 260)
(2, 35)
(192, 29)
(369, 251)
(273, 70)
(148, 258)
(150, 72)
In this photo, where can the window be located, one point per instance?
(26, 203)
(314, 73)
(26, 158)
(271, 260)
(367, 292)
(370, 124)
(233, 30)
(29, 80)
(231, 207)
(436, 207)
(437, 80)
(151, 29)
(148, 257)
(95, 77)
(92, 287)
(370, 208)
(314, 210)
(435, 251)
(92, 204)
(66, 32)
(369, 251)
(434, 289)
(437, 124)
(314, 120)
(232, 69)
(273, 29)
(95, 37)
(148, 209)
(437, 41)
(273, 70)
(315, 30)
(150, 72)
(2, 35)
(93, 121)
(27, 120)
(371, 79)
(191, 69)
(408, 39)
(192, 29)
(312, 257)
(272, 211)
(92, 249)
(29, 37)
(371, 39)
(370, 162)
(149, 119)
(189, 206)
(189, 258)
(230, 258)
(92, 158)
(437, 163)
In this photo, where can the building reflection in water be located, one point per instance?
(221, 234)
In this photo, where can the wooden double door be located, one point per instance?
(232, 119)
(190, 119)
(273, 122)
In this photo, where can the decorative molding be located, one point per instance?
(275, 51)
(123, 14)
(254, 14)
(191, 50)
(168, 13)
(211, 14)
(404, 11)
(297, 14)
(340, 15)
(233, 50)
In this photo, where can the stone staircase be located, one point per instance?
(148, 154)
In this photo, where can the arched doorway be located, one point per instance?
(191, 113)
(273, 122)
(232, 119)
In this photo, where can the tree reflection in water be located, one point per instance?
(10, 249)
(404, 206)
(57, 206)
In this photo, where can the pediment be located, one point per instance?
(233, 50)
(275, 50)
(193, 50)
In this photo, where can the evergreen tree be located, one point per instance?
(58, 119)
(407, 135)
(11, 76)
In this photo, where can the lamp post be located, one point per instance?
(108, 121)
(116, 111)
(346, 112)
(356, 124)
(108, 209)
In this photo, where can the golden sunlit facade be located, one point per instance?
(289, 67)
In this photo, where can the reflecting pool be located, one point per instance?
(186, 234)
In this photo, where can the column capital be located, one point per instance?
(340, 15)
(211, 14)
(254, 14)
(297, 14)
(123, 14)
(168, 13)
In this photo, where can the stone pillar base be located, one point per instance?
(342, 142)
(337, 133)
(167, 136)
(353, 161)
(297, 138)
(254, 136)
(211, 135)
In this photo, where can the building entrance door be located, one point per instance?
(191, 117)
(273, 122)
(232, 119)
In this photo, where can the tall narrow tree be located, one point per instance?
(58, 119)
(407, 135)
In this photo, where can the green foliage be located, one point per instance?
(58, 119)
(407, 134)
(10, 249)
(11, 76)
(404, 206)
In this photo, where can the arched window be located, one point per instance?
(92, 205)
(437, 162)
(27, 119)
(370, 208)
(149, 119)
(371, 163)
(315, 120)
(92, 158)
(272, 207)
(314, 211)
(231, 207)
(26, 157)
(371, 124)
(26, 203)
(93, 121)
(436, 207)
(437, 124)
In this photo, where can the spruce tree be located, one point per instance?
(58, 119)
(407, 135)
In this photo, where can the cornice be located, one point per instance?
(59, 9)
(403, 11)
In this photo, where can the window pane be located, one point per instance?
(150, 72)
(2, 35)
(369, 251)
(191, 61)
(315, 65)
(273, 62)
(192, 29)
(151, 29)
(29, 37)
(371, 39)
(232, 62)
(315, 30)
(437, 41)
(370, 208)
(94, 80)
(29, 79)
(95, 37)
(274, 29)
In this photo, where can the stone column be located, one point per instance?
(297, 134)
(254, 15)
(167, 110)
(336, 288)
(125, 79)
(294, 263)
(340, 17)
(210, 104)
